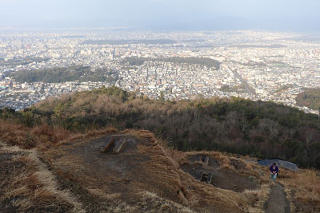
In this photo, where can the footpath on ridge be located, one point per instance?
(278, 202)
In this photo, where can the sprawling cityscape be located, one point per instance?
(174, 65)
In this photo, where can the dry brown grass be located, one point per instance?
(15, 134)
(25, 137)
(224, 159)
(33, 187)
(257, 198)
(50, 134)
(220, 157)
(305, 183)
(44, 136)
(100, 132)
(163, 205)
(190, 192)
(162, 173)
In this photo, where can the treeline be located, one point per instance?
(309, 98)
(262, 129)
(64, 74)
(137, 61)
(21, 61)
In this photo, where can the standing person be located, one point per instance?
(274, 171)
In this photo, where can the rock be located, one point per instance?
(119, 144)
(280, 163)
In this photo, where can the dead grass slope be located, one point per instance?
(28, 186)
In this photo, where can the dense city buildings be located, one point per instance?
(177, 65)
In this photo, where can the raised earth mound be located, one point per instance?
(131, 171)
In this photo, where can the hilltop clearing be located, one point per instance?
(132, 171)
(123, 171)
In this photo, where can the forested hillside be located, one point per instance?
(309, 98)
(64, 74)
(261, 129)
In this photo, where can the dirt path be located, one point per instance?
(278, 202)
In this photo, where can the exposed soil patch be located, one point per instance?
(131, 173)
(237, 164)
(278, 201)
(107, 171)
(228, 179)
(104, 163)
(205, 159)
(221, 178)
(119, 144)
(194, 170)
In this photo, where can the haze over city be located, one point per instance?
(274, 15)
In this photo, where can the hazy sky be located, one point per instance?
(282, 15)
